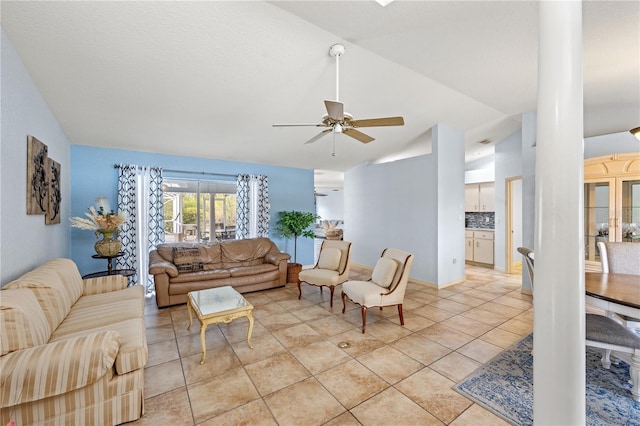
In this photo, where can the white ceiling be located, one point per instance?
(210, 78)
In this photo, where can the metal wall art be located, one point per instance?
(53, 178)
(43, 182)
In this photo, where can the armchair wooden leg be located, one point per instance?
(344, 305)
(299, 291)
(400, 313)
(364, 318)
(332, 289)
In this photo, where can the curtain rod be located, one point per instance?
(190, 172)
(199, 173)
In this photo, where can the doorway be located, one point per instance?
(514, 225)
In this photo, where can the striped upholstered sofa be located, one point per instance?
(72, 351)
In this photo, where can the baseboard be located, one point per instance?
(417, 281)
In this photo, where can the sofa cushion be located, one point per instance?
(190, 258)
(330, 258)
(243, 271)
(248, 252)
(215, 254)
(166, 251)
(22, 321)
(104, 285)
(190, 267)
(57, 285)
(133, 342)
(215, 274)
(103, 309)
(56, 368)
(384, 272)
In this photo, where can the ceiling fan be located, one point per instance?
(338, 121)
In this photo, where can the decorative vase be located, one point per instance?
(107, 246)
(293, 269)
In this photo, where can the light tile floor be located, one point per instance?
(297, 375)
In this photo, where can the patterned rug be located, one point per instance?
(505, 387)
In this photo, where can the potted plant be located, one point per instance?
(295, 224)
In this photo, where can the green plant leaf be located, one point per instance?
(295, 224)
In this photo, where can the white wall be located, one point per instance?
(330, 207)
(25, 241)
(448, 147)
(614, 143)
(508, 160)
(512, 160)
(529, 136)
(415, 204)
(383, 207)
(516, 217)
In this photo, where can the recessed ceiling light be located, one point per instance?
(383, 2)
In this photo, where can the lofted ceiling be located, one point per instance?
(209, 78)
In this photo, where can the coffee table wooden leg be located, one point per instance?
(203, 328)
(189, 309)
(250, 317)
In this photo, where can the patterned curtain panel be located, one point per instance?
(140, 196)
(243, 202)
(252, 207)
(128, 230)
(263, 216)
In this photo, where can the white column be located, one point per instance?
(559, 350)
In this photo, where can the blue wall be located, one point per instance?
(25, 239)
(93, 176)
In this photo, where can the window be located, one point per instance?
(199, 210)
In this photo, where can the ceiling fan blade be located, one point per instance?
(335, 110)
(318, 136)
(358, 135)
(299, 125)
(378, 122)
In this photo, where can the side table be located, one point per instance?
(110, 271)
(109, 260)
(123, 272)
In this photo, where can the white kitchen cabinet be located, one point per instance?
(479, 248)
(468, 246)
(479, 197)
(487, 197)
(483, 249)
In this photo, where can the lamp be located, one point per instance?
(636, 132)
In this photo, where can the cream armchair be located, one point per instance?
(386, 287)
(331, 269)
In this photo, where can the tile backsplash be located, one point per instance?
(479, 220)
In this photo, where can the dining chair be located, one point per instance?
(605, 333)
(386, 287)
(528, 256)
(331, 269)
(621, 258)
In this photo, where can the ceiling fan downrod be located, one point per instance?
(336, 51)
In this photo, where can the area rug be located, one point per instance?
(505, 387)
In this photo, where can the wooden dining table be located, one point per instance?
(618, 293)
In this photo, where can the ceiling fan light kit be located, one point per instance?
(636, 132)
(338, 121)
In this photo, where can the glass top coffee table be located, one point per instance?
(216, 305)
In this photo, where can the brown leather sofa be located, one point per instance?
(247, 265)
